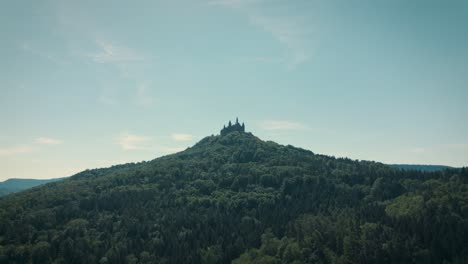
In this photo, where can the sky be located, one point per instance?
(89, 84)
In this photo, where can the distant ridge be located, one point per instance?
(421, 167)
(15, 185)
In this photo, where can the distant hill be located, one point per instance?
(238, 199)
(419, 167)
(16, 185)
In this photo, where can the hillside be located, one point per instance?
(238, 198)
(16, 185)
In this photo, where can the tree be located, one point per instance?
(40, 252)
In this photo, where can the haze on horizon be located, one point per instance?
(88, 84)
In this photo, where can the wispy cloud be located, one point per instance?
(143, 97)
(261, 59)
(417, 150)
(281, 125)
(111, 53)
(131, 142)
(287, 29)
(31, 49)
(29, 147)
(438, 148)
(48, 141)
(170, 150)
(19, 149)
(288, 32)
(134, 142)
(232, 3)
(107, 100)
(90, 41)
(181, 137)
(457, 146)
(128, 63)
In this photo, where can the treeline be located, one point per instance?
(239, 199)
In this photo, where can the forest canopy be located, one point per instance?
(236, 198)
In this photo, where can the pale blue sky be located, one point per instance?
(87, 84)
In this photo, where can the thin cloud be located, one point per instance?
(111, 53)
(26, 47)
(281, 125)
(48, 141)
(170, 150)
(134, 142)
(457, 146)
(232, 3)
(286, 30)
(28, 148)
(20, 149)
(128, 63)
(417, 150)
(143, 96)
(181, 137)
(130, 142)
(261, 59)
(107, 100)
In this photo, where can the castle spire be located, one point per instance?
(233, 127)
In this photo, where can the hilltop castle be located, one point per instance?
(231, 128)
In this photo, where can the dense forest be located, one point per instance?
(236, 198)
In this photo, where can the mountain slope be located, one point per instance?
(16, 185)
(236, 197)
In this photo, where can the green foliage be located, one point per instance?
(40, 252)
(405, 206)
(211, 255)
(238, 199)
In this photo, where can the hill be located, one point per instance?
(236, 198)
(421, 167)
(16, 185)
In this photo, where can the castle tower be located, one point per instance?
(233, 127)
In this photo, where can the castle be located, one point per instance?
(231, 128)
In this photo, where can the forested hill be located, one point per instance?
(16, 185)
(236, 198)
(421, 167)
